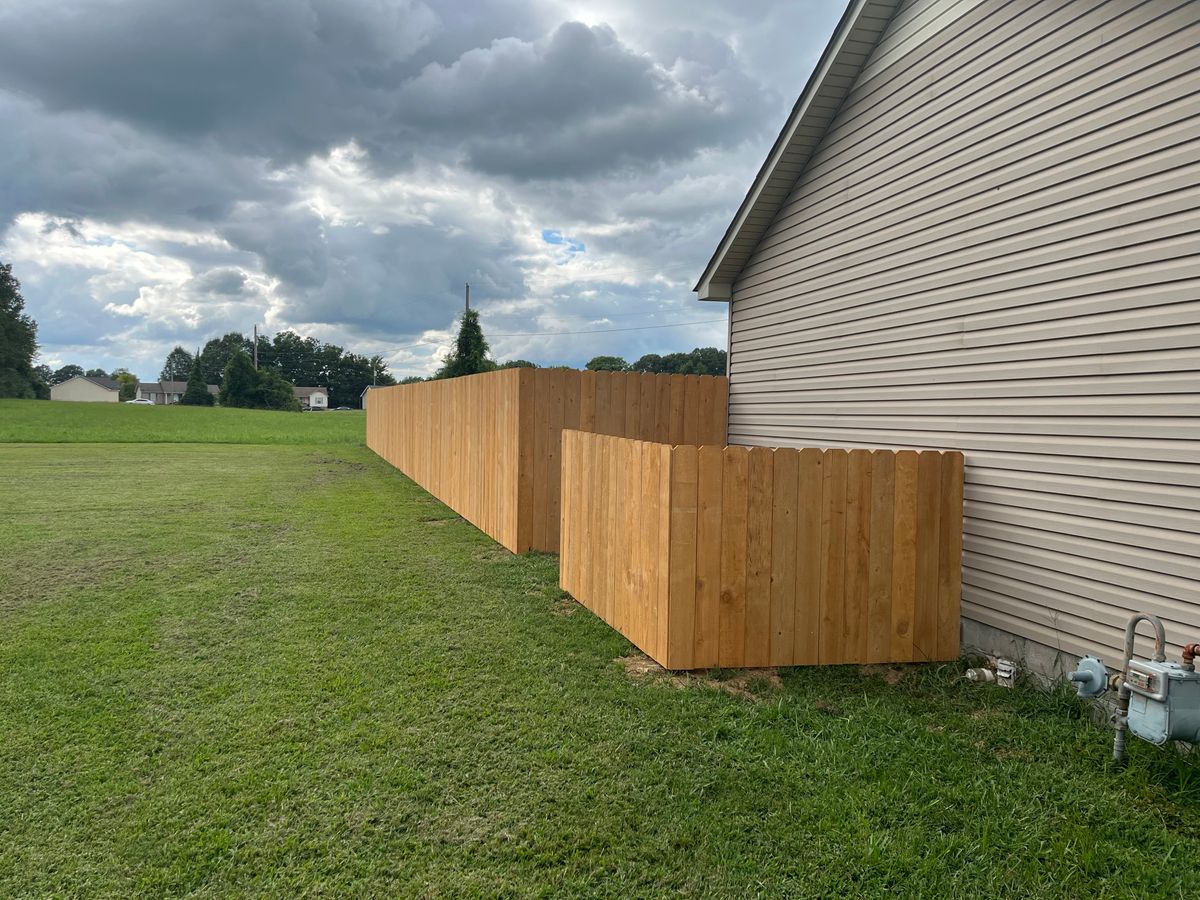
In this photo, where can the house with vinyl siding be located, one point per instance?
(980, 230)
(87, 389)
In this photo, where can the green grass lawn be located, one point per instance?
(281, 670)
(42, 421)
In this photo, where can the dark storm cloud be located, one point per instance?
(221, 282)
(283, 79)
(84, 164)
(576, 103)
(209, 134)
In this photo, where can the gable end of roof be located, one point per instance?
(854, 38)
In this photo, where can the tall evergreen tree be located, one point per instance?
(18, 340)
(239, 383)
(470, 353)
(179, 365)
(197, 389)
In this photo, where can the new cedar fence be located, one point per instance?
(735, 556)
(489, 445)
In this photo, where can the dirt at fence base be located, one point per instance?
(749, 684)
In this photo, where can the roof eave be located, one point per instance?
(715, 284)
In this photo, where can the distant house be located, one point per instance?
(165, 392)
(362, 399)
(83, 388)
(312, 397)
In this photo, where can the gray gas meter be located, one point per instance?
(1164, 701)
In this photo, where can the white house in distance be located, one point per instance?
(312, 397)
(362, 400)
(980, 230)
(166, 392)
(83, 388)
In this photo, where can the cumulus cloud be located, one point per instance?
(174, 169)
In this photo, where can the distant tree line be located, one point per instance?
(470, 357)
(701, 361)
(295, 360)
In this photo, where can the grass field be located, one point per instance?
(281, 670)
(43, 421)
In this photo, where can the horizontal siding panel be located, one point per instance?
(1100, 367)
(1163, 543)
(996, 248)
(1072, 634)
(1178, 407)
(815, 390)
(865, 231)
(1034, 580)
(1180, 338)
(978, 549)
(1180, 431)
(839, 435)
(1019, 598)
(1023, 133)
(1163, 284)
(1147, 504)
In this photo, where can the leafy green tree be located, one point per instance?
(219, 352)
(196, 393)
(518, 364)
(243, 386)
(96, 373)
(651, 363)
(128, 382)
(607, 364)
(66, 373)
(470, 353)
(239, 382)
(273, 392)
(179, 365)
(18, 340)
(701, 361)
(42, 375)
(302, 361)
(706, 361)
(411, 379)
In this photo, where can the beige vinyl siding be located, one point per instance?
(81, 390)
(996, 248)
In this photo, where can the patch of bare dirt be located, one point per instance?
(566, 606)
(749, 684)
(491, 554)
(892, 675)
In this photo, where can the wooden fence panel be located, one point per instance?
(489, 445)
(735, 557)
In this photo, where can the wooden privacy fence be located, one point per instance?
(735, 556)
(489, 445)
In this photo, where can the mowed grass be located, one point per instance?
(286, 670)
(44, 421)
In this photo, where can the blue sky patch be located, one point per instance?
(555, 237)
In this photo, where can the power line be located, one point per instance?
(524, 314)
(555, 333)
(608, 330)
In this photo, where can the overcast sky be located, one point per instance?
(174, 169)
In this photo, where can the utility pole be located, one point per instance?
(468, 297)
(255, 346)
